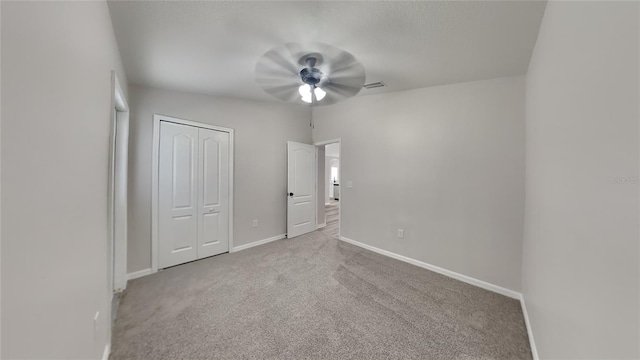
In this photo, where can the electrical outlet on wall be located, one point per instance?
(255, 223)
(400, 233)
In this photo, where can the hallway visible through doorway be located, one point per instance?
(332, 218)
(329, 173)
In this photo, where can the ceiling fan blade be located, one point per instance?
(353, 77)
(268, 81)
(346, 84)
(342, 62)
(337, 93)
(277, 62)
(342, 89)
(287, 92)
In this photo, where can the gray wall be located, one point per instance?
(444, 163)
(320, 186)
(57, 59)
(261, 132)
(580, 273)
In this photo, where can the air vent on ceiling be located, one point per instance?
(373, 85)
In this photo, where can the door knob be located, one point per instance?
(290, 194)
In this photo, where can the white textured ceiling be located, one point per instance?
(212, 47)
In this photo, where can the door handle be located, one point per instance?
(213, 211)
(290, 194)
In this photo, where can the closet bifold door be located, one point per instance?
(213, 192)
(177, 194)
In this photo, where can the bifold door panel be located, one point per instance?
(193, 198)
(177, 187)
(213, 194)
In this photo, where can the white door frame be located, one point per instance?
(117, 214)
(327, 142)
(154, 179)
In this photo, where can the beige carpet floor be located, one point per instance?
(313, 297)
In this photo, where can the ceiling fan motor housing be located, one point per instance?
(311, 76)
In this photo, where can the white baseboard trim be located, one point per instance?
(464, 278)
(257, 243)
(532, 343)
(320, 226)
(145, 272)
(137, 274)
(107, 352)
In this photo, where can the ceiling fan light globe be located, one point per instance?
(320, 94)
(305, 90)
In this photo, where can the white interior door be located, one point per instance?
(301, 197)
(213, 193)
(177, 194)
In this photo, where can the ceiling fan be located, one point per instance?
(318, 74)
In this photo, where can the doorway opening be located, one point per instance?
(117, 197)
(117, 189)
(329, 188)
